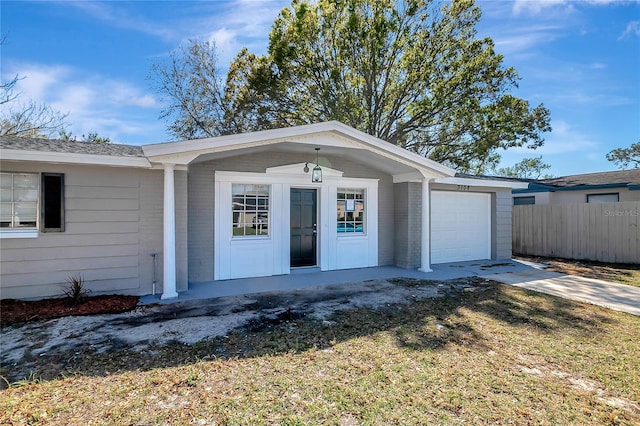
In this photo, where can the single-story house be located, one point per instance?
(154, 218)
(602, 187)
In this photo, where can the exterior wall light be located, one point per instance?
(316, 176)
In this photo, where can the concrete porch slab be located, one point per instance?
(312, 277)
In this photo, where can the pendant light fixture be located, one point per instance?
(316, 176)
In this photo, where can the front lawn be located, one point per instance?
(491, 355)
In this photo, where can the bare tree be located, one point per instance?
(26, 119)
(6, 88)
(31, 120)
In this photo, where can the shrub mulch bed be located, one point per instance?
(14, 311)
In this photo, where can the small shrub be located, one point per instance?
(75, 290)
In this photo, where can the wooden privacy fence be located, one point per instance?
(605, 232)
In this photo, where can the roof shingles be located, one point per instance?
(601, 178)
(72, 147)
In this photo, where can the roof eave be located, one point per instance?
(75, 158)
(549, 188)
(490, 183)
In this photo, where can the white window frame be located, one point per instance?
(23, 231)
(343, 201)
(268, 209)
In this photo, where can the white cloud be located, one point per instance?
(632, 30)
(535, 7)
(94, 103)
(523, 38)
(227, 44)
(35, 80)
(144, 101)
(564, 138)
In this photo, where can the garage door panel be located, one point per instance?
(460, 226)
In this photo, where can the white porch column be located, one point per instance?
(169, 249)
(425, 246)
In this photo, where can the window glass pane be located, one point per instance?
(519, 201)
(603, 198)
(5, 213)
(25, 195)
(25, 181)
(350, 210)
(237, 189)
(262, 190)
(238, 202)
(5, 194)
(25, 214)
(6, 180)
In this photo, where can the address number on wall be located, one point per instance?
(463, 187)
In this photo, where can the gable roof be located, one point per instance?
(358, 145)
(601, 180)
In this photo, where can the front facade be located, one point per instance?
(152, 219)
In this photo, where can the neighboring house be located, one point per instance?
(603, 187)
(234, 206)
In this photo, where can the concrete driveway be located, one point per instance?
(618, 297)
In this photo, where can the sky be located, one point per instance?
(92, 60)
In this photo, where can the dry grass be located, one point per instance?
(620, 273)
(495, 355)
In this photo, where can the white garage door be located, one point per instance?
(460, 226)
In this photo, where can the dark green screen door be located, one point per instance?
(303, 227)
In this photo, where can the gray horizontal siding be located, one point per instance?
(109, 234)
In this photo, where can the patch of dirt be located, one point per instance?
(622, 273)
(48, 346)
(581, 384)
(14, 311)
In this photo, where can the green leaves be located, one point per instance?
(625, 157)
(411, 72)
(528, 168)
